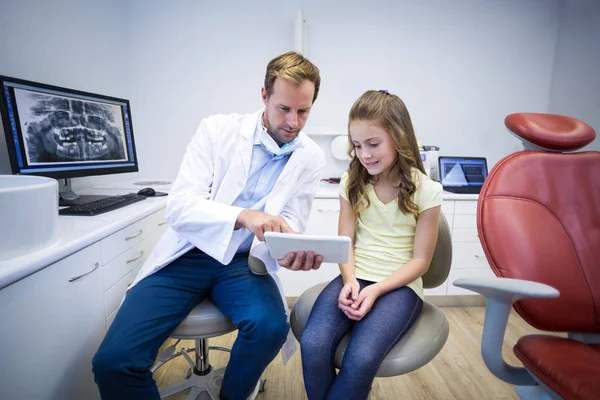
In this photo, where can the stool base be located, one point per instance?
(203, 380)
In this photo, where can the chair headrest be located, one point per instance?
(550, 132)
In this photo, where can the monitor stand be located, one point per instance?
(67, 197)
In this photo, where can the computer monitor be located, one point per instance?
(64, 133)
(462, 174)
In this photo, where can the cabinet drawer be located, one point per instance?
(465, 235)
(448, 211)
(463, 221)
(468, 207)
(54, 323)
(68, 291)
(468, 255)
(326, 205)
(120, 266)
(114, 295)
(151, 241)
(448, 208)
(158, 223)
(110, 319)
(450, 220)
(159, 220)
(323, 219)
(466, 273)
(120, 241)
(162, 223)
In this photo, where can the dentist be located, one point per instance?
(241, 176)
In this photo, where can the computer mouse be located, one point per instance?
(146, 192)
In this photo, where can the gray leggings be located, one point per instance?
(370, 340)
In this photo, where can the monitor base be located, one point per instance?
(67, 197)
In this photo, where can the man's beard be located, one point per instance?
(272, 131)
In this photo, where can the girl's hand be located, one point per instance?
(348, 295)
(366, 299)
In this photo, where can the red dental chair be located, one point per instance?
(538, 220)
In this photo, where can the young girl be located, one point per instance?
(390, 209)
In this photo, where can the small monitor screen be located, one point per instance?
(64, 133)
(465, 174)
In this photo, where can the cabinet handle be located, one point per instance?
(162, 223)
(478, 256)
(134, 236)
(137, 258)
(87, 273)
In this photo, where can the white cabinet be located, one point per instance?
(51, 326)
(448, 210)
(468, 258)
(123, 254)
(53, 321)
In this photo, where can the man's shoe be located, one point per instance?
(259, 387)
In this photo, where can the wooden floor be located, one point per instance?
(458, 372)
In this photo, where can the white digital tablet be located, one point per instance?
(334, 249)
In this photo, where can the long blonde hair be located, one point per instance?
(389, 111)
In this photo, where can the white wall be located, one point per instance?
(460, 66)
(191, 59)
(80, 44)
(576, 78)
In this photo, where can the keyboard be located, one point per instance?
(103, 205)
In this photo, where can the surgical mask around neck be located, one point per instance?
(270, 146)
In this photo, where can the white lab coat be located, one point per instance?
(213, 173)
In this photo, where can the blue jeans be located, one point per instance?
(370, 340)
(157, 304)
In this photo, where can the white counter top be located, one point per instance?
(458, 196)
(327, 191)
(331, 191)
(76, 233)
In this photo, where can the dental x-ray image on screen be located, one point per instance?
(65, 133)
(59, 129)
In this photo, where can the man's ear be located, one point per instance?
(263, 94)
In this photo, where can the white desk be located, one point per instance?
(51, 326)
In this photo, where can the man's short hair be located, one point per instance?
(294, 68)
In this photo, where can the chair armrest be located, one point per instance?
(506, 289)
(501, 294)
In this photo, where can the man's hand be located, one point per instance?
(298, 261)
(259, 222)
